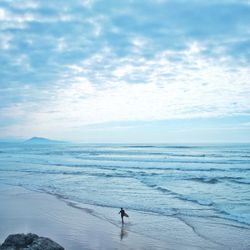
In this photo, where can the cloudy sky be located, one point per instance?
(125, 70)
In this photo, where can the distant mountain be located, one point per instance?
(41, 140)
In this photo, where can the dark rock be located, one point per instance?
(29, 242)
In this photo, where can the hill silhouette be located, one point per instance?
(42, 140)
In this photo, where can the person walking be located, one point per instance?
(123, 213)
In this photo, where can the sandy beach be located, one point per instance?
(77, 227)
(26, 211)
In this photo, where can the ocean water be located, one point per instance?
(166, 180)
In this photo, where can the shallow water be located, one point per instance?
(198, 181)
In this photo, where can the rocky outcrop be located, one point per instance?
(29, 242)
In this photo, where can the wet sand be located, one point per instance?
(24, 211)
(83, 227)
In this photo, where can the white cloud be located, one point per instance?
(10, 19)
(87, 3)
(103, 68)
(7, 16)
(189, 88)
(5, 41)
(61, 45)
(27, 4)
(23, 62)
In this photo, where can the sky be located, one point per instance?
(168, 71)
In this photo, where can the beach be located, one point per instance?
(177, 196)
(24, 211)
(76, 227)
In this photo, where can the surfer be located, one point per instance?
(123, 213)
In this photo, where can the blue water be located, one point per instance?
(166, 180)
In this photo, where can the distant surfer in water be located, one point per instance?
(123, 213)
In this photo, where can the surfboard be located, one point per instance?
(126, 215)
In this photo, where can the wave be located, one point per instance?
(164, 160)
(210, 206)
(207, 204)
(202, 170)
(156, 168)
(205, 180)
(240, 169)
(117, 152)
(170, 211)
(138, 146)
(132, 167)
(215, 180)
(242, 181)
(183, 197)
(175, 194)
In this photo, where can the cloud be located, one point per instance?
(92, 62)
(164, 90)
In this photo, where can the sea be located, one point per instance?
(198, 181)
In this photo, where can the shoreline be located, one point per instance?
(80, 226)
(24, 211)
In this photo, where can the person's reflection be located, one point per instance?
(123, 233)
